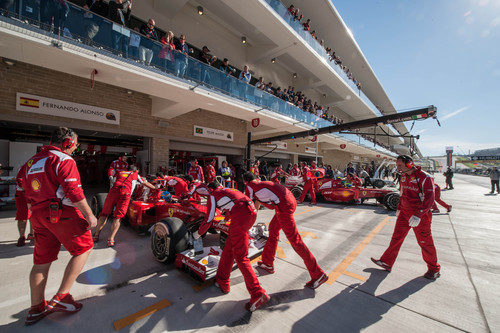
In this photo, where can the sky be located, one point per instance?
(444, 53)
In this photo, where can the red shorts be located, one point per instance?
(71, 231)
(22, 211)
(117, 199)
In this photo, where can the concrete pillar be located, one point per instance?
(160, 152)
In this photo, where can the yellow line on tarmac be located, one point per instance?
(306, 211)
(354, 275)
(340, 269)
(119, 324)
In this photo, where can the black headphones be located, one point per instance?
(407, 160)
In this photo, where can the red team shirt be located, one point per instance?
(196, 172)
(417, 192)
(211, 173)
(295, 172)
(51, 174)
(117, 166)
(127, 180)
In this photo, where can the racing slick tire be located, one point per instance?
(391, 201)
(378, 183)
(176, 240)
(297, 192)
(97, 202)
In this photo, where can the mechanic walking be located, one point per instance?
(119, 198)
(309, 183)
(60, 215)
(278, 197)
(437, 199)
(494, 174)
(243, 214)
(414, 211)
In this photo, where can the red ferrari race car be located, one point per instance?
(339, 190)
(172, 221)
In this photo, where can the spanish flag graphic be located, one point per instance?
(30, 102)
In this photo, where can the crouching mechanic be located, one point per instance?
(278, 197)
(60, 215)
(243, 214)
(119, 199)
(414, 211)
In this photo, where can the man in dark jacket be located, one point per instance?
(119, 12)
(449, 176)
(93, 22)
(148, 43)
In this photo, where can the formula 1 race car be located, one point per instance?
(172, 221)
(339, 190)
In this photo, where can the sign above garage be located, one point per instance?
(212, 133)
(55, 107)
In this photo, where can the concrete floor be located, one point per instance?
(121, 281)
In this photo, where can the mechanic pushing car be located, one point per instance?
(243, 214)
(277, 173)
(119, 199)
(278, 197)
(414, 211)
(309, 183)
(116, 166)
(181, 187)
(60, 215)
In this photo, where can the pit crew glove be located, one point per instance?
(414, 221)
(196, 235)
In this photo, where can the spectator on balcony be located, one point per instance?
(92, 23)
(167, 51)
(147, 44)
(307, 25)
(181, 56)
(296, 14)
(206, 58)
(245, 75)
(119, 12)
(269, 88)
(260, 84)
(228, 70)
(313, 34)
(54, 12)
(291, 10)
(134, 43)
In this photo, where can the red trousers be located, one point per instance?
(283, 219)
(119, 200)
(437, 198)
(423, 235)
(309, 186)
(243, 217)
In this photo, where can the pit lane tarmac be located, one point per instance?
(125, 286)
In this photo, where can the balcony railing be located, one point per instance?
(80, 27)
(282, 11)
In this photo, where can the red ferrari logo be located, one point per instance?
(342, 146)
(255, 122)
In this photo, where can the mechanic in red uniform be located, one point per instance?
(60, 215)
(437, 199)
(119, 199)
(23, 213)
(309, 183)
(196, 171)
(180, 186)
(414, 211)
(242, 212)
(278, 197)
(211, 174)
(295, 171)
(116, 166)
(277, 173)
(255, 169)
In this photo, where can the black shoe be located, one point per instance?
(381, 264)
(432, 275)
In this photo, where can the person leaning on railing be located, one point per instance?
(181, 60)
(91, 24)
(167, 51)
(147, 44)
(117, 15)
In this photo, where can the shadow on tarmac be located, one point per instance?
(356, 307)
